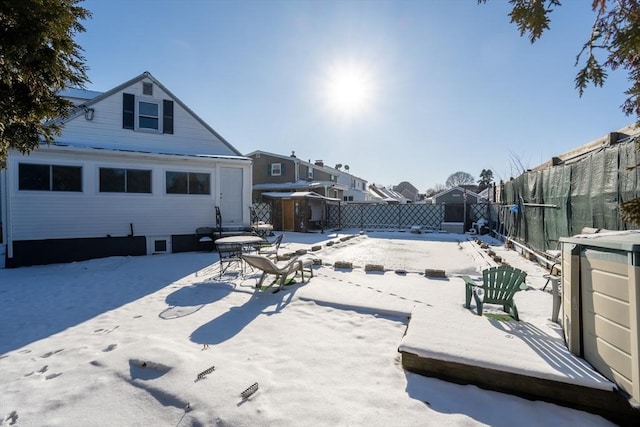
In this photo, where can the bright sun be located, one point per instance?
(348, 89)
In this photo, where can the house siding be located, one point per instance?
(40, 227)
(95, 214)
(105, 129)
(262, 165)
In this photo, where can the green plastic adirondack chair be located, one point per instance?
(499, 285)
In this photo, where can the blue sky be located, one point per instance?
(433, 86)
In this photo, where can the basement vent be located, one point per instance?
(158, 245)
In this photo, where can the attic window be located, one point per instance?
(276, 169)
(310, 173)
(147, 88)
(147, 114)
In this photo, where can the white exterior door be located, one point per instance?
(231, 196)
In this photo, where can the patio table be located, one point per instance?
(235, 246)
(239, 240)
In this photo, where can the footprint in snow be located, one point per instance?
(12, 418)
(51, 353)
(110, 347)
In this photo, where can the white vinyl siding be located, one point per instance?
(105, 130)
(96, 214)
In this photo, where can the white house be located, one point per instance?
(356, 188)
(134, 172)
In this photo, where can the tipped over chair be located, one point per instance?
(267, 266)
(499, 285)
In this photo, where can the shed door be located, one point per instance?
(606, 314)
(231, 196)
(287, 215)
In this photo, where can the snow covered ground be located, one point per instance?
(162, 341)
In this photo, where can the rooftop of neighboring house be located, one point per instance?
(387, 194)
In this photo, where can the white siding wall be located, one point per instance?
(105, 130)
(49, 215)
(356, 192)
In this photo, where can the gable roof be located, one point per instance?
(145, 75)
(456, 188)
(405, 185)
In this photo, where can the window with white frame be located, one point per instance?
(310, 173)
(188, 183)
(39, 177)
(147, 114)
(114, 180)
(276, 169)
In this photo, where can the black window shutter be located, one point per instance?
(167, 116)
(128, 110)
(269, 169)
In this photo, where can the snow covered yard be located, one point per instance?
(160, 340)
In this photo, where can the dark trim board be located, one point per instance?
(608, 404)
(51, 251)
(185, 243)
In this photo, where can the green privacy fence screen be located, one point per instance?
(542, 206)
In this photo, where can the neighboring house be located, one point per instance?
(297, 190)
(134, 172)
(456, 195)
(409, 192)
(456, 201)
(356, 191)
(276, 172)
(387, 196)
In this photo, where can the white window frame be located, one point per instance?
(157, 102)
(310, 173)
(276, 169)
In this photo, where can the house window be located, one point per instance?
(49, 177)
(310, 173)
(333, 177)
(276, 169)
(188, 183)
(147, 114)
(147, 88)
(125, 180)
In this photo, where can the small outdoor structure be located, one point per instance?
(457, 210)
(601, 304)
(298, 211)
